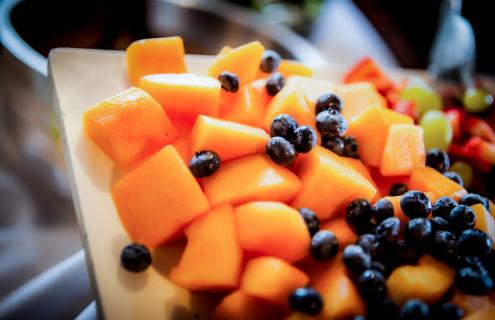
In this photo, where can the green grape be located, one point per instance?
(424, 97)
(477, 100)
(464, 170)
(437, 131)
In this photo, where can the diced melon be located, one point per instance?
(251, 178)
(184, 96)
(244, 106)
(470, 303)
(360, 167)
(358, 97)
(260, 94)
(272, 228)
(484, 220)
(272, 279)
(485, 314)
(240, 306)
(212, 259)
(156, 200)
(311, 88)
(328, 184)
(182, 142)
(230, 140)
(129, 126)
(342, 230)
(385, 183)
(293, 68)
(429, 180)
(155, 55)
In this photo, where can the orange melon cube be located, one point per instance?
(230, 140)
(184, 96)
(471, 303)
(324, 173)
(272, 279)
(251, 178)
(375, 120)
(182, 142)
(360, 167)
(385, 183)
(404, 150)
(273, 229)
(156, 200)
(129, 126)
(212, 259)
(429, 180)
(485, 314)
(224, 50)
(311, 88)
(260, 94)
(243, 61)
(155, 55)
(484, 220)
(293, 68)
(244, 107)
(241, 306)
(342, 231)
(358, 97)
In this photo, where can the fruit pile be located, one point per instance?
(299, 198)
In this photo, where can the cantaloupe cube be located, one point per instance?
(342, 231)
(429, 180)
(358, 97)
(129, 126)
(484, 220)
(311, 88)
(360, 167)
(155, 55)
(273, 229)
(212, 259)
(230, 140)
(243, 106)
(182, 142)
(156, 200)
(184, 96)
(293, 68)
(241, 306)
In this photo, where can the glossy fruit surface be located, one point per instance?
(437, 130)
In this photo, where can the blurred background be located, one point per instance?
(38, 227)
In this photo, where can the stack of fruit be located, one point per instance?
(299, 198)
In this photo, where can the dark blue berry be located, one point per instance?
(204, 163)
(304, 139)
(324, 245)
(414, 310)
(356, 259)
(444, 245)
(372, 286)
(283, 126)
(359, 214)
(415, 204)
(473, 198)
(378, 266)
(229, 81)
(405, 253)
(454, 176)
(462, 217)
(359, 317)
(446, 311)
(368, 242)
(328, 101)
(385, 309)
(306, 300)
(311, 219)
(438, 160)
(383, 210)
(270, 61)
(135, 258)
(397, 189)
(438, 223)
(387, 232)
(280, 151)
(473, 242)
(351, 147)
(418, 231)
(331, 123)
(275, 83)
(473, 281)
(334, 144)
(442, 207)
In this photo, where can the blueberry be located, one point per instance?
(334, 144)
(378, 266)
(283, 126)
(442, 207)
(472, 281)
(324, 245)
(454, 176)
(372, 285)
(446, 311)
(330, 123)
(473, 242)
(270, 61)
(438, 160)
(405, 253)
(418, 231)
(359, 317)
(204, 163)
(414, 310)
(304, 139)
(385, 309)
(439, 223)
(473, 198)
(135, 258)
(387, 232)
(359, 214)
(462, 217)
(383, 210)
(311, 219)
(229, 81)
(356, 259)
(306, 300)
(280, 151)
(397, 189)
(368, 242)
(328, 101)
(351, 147)
(444, 245)
(415, 204)
(275, 83)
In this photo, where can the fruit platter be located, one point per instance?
(247, 186)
